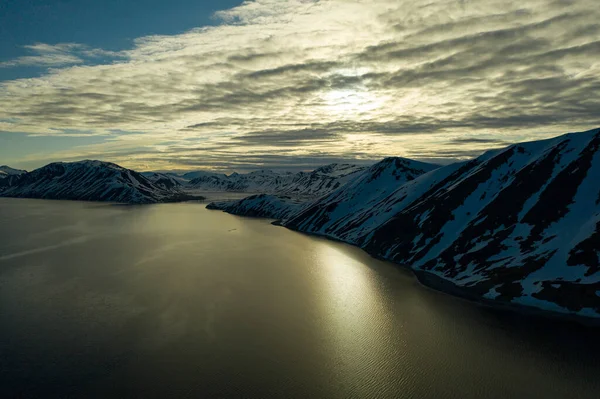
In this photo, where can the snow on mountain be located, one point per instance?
(261, 205)
(6, 171)
(338, 214)
(520, 225)
(201, 173)
(167, 181)
(321, 181)
(316, 183)
(87, 181)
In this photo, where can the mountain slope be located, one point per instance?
(338, 213)
(87, 181)
(517, 225)
(322, 180)
(6, 171)
(358, 190)
(166, 181)
(261, 205)
(201, 173)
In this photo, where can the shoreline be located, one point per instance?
(172, 200)
(438, 284)
(434, 282)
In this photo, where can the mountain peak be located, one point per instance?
(88, 180)
(6, 170)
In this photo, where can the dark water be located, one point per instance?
(175, 301)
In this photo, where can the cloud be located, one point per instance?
(286, 138)
(327, 79)
(46, 55)
(58, 55)
(477, 140)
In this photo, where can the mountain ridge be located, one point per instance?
(87, 180)
(314, 183)
(6, 171)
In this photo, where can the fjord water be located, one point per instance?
(101, 300)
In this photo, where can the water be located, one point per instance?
(174, 300)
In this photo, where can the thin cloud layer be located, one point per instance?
(317, 80)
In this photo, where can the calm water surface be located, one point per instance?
(177, 301)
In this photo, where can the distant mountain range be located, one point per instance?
(516, 226)
(88, 181)
(6, 171)
(320, 181)
(312, 184)
(362, 191)
(104, 181)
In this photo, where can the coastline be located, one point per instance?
(170, 200)
(435, 282)
(439, 284)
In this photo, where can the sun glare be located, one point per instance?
(348, 103)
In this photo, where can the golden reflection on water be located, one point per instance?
(359, 320)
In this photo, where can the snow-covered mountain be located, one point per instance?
(201, 173)
(319, 182)
(87, 181)
(520, 225)
(167, 181)
(6, 171)
(322, 180)
(342, 211)
(261, 205)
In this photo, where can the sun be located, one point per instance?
(347, 103)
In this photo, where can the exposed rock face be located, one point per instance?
(519, 225)
(87, 181)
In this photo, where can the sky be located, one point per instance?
(290, 84)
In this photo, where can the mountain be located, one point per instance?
(261, 205)
(87, 181)
(338, 213)
(319, 182)
(167, 181)
(361, 191)
(518, 226)
(103, 181)
(322, 180)
(201, 173)
(6, 171)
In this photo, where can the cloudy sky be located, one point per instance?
(291, 84)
